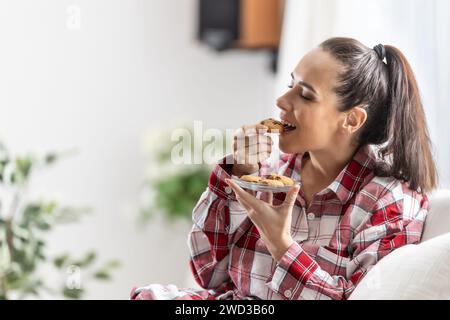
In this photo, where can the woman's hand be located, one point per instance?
(250, 147)
(272, 222)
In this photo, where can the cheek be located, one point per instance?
(319, 125)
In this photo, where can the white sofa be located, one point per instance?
(419, 271)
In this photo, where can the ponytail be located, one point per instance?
(408, 143)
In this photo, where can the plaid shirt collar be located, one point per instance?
(349, 181)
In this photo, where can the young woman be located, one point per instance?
(360, 151)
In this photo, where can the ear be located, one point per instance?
(354, 119)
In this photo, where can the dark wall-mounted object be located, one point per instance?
(219, 23)
(241, 24)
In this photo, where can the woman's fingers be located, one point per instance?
(260, 147)
(291, 196)
(257, 158)
(251, 145)
(252, 154)
(254, 127)
(246, 142)
(242, 153)
(251, 192)
(237, 189)
(242, 194)
(267, 197)
(265, 139)
(250, 130)
(270, 198)
(244, 204)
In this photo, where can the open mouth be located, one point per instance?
(288, 127)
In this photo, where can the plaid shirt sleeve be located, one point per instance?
(217, 218)
(389, 226)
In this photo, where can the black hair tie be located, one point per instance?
(381, 51)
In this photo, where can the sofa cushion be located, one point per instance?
(411, 272)
(438, 218)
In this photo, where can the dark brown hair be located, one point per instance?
(395, 116)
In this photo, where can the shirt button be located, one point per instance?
(228, 190)
(288, 293)
(311, 216)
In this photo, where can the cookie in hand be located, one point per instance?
(273, 125)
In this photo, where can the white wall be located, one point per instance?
(131, 65)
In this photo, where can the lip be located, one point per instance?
(285, 133)
(283, 118)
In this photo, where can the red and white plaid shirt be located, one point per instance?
(348, 227)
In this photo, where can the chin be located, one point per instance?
(290, 148)
(291, 142)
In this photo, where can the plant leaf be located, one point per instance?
(72, 293)
(61, 260)
(102, 275)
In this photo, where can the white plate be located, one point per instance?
(262, 188)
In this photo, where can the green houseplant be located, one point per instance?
(23, 225)
(173, 188)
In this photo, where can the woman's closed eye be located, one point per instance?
(290, 86)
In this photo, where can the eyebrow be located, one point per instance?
(304, 84)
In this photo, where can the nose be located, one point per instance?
(283, 103)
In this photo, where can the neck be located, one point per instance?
(326, 164)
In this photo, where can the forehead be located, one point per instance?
(319, 69)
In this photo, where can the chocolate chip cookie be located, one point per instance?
(273, 125)
(285, 180)
(251, 179)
